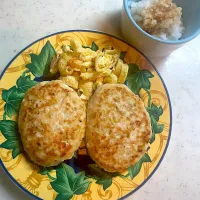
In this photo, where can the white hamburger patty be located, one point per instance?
(51, 122)
(118, 128)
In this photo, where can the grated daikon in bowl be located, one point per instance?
(160, 18)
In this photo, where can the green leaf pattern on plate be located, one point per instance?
(67, 183)
(40, 64)
(9, 130)
(24, 83)
(138, 79)
(122, 55)
(93, 47)
(46, 171)
(134, 170)
(155, 113)
(14, 96)
(102, 177)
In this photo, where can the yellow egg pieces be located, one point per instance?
(85, 70)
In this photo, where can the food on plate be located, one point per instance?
(52, 117)
(84, 69)
(160, 18)
(118, 127)
(51, 122)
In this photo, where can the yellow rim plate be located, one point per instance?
(25, 174)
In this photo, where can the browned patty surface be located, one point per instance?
(118, 128)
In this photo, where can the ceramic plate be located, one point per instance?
(73, 179)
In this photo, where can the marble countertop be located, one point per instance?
(22, 22)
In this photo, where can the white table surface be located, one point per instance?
(178, 177)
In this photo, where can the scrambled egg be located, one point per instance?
(85, 70)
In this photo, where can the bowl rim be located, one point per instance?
(181, 41)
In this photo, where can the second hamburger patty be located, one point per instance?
(118, 128)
